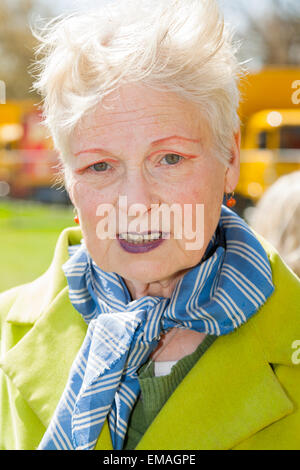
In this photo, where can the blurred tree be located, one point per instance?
(17, 45)
(272, 32)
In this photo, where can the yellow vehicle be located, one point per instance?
(270, 115)
(11, 132)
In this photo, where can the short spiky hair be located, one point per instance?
(176, 45)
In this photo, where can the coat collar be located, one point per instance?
(29, 306)
(229, 395)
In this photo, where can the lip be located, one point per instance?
(139, 248)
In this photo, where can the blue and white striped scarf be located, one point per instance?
(218, 295)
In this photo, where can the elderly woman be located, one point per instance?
(152, 328)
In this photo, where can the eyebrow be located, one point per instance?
(175, 137)
(154, 143)
(92, 150)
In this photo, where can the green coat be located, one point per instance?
(244, 392)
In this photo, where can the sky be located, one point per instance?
(228, 6)
(232, 14)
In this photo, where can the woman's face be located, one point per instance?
(150, 148)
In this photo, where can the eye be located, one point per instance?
(171, 159)
(101, 166)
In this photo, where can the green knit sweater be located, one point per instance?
(155, 391)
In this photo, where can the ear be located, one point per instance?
(233, 171)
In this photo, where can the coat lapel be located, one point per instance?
(39, 364)
(229, 395)
(36, 296)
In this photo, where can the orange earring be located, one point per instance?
(76, 219)
(230, 201)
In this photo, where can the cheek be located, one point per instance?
(207, 189)
(87, 199)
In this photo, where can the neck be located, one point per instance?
(176, 344)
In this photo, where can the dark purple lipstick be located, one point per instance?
(142, 246)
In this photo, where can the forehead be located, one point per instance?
(138, 112)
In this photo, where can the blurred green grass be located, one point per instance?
(28, 235)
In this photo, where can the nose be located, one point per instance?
(138, 190)
(136, 199)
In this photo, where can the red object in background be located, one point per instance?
(34, 137)
(37, 158)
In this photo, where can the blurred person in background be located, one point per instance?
(138, 341)
(277, 218)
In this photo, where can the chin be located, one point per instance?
(146, 273)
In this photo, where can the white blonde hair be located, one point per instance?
(176, 45)
(276, 217)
